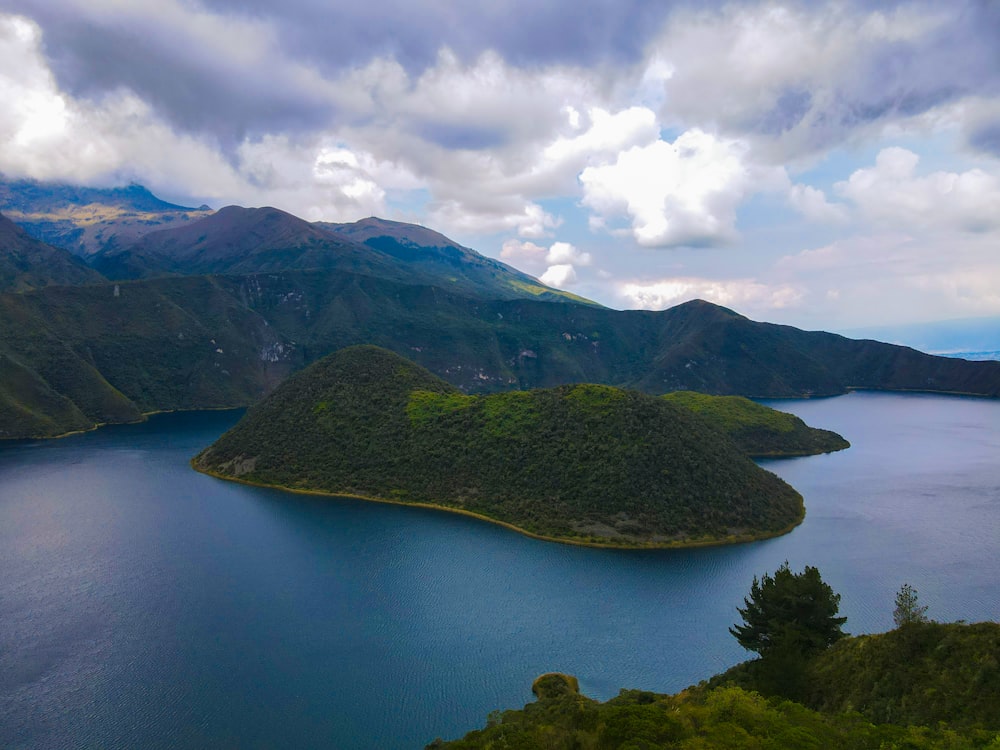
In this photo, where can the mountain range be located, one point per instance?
(215, 310)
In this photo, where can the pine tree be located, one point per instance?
(907, 610)
(789, 613)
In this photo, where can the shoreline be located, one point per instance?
(143, 418)
(695, 543)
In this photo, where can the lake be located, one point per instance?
(145, 605)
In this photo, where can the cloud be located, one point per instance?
(892, 277)
(743, 294)
(893, 193)
(683, 193)
(524, 255)
(556, 264)
(564, 252)
(800, 78)
(560, 276)
(813, 205)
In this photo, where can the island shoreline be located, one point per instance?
(716, 542)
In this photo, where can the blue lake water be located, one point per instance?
(145, 605)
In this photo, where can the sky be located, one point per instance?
(822, 164)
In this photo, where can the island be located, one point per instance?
(585, 464)
(760, 431)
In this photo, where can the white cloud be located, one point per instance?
(680, 193)
(893, 193)
(607, 135)
(524, 255)
(564, 252)
(555, 265)
(813, 205)
(743, 294)
(892, 277)
(560, 276)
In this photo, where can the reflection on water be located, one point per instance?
(144, 604)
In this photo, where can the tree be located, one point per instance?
(907, 610)
(789, 614)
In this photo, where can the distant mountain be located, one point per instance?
(27, 263)
(237, 240)
(86, 220)
(964, 336)
(241, 240)
(579, 463)
(156, 341)
(459, 267)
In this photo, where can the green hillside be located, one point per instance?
(923, 685)
(920, 673)
(759, 430)
(26, 263)
(720, 718)
(583, 463)
(75, 357)
(153, 343)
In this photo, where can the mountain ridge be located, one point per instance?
(27, 263)
(150, 339)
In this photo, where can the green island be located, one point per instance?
(757, 429)
(922, 685)
(584, 464)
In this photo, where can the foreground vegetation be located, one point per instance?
(582, 463)
(700, 718)
(922, 685)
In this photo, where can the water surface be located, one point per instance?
(145, 605)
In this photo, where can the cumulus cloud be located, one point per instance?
(683, 193)
(813, 205)
(892, 192)
(556, 264)
(560, 276)
(744, 294)
(564, 252)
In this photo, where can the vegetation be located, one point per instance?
(907, 610)
(787, 618)
(923, 685)
(921, 673)
(789, 612)
(728, 718)
(584, 463)
(26, 263)
(757, 429)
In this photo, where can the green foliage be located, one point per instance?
(758, 429)
(585, 463)
(699, 719)
(426, 406)
(789, 614)
(907, 610)
(923, 673)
